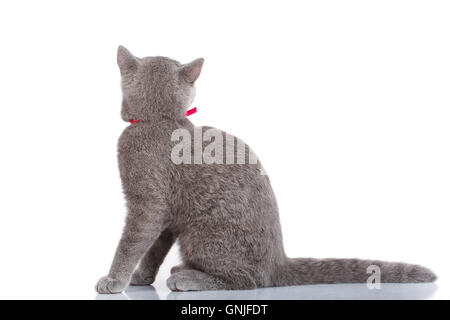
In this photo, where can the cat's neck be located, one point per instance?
(162, 122)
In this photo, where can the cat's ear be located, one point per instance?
(126, 61)
(191, 71)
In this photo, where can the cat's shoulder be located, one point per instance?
(146, 136)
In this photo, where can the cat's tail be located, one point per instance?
(301, 271)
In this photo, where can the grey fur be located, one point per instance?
(224, 216)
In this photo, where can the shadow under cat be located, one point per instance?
(388, 291)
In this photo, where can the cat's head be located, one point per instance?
(156, 88)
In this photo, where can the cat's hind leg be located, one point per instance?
(195, 280)
(178, 268)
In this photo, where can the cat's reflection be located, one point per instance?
(132, 293)
(388, 291)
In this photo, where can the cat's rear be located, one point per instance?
(229, 228)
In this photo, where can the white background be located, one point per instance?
(345, 102)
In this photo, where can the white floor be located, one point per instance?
(76, 278)
(312, 292)
(159, 291)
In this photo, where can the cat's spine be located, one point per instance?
(300, 271)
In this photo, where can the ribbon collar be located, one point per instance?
(187, 114)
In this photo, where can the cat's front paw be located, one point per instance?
(140, 278)
(110, 285)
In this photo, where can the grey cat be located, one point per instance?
(224, 216)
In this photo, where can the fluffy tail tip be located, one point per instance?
(421, 274)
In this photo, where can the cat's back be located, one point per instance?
(149, 138)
